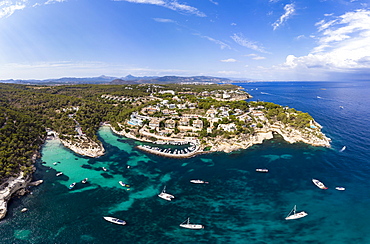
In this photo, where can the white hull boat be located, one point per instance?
(115, 220)
(319, 184)
(186, 224)
(294, 215)
(60, 173)
(262, 170)
(84, 180)
(72, 185)
(339, 188)
(198, 182)
(164, 195)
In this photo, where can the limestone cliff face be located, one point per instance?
(84, 146)
(8, 188)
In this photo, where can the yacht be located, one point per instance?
(59, 173)
(115, 220)
(164, 195)
(84, 180)
(186, 224)
(121, 183)
(339, 188)
(319, 184)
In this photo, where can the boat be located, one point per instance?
(262, 170)
(186, 224)
(115, 220)
(341, 107)
(164, 195)
(198, 181)
(294, 215)
(343, 148)
(319, 184)
(59, 173)
(340, 188)
(72, 185)
(104, 168)
(121, 183)
(24, 210)
(84, 180)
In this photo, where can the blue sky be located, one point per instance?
(243, 39)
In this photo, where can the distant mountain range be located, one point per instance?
(129, 79)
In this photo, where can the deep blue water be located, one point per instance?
(237, 206)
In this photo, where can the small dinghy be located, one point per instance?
(72, 185)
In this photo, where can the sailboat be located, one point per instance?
(186, 224)
(164, 195)
(294, 215)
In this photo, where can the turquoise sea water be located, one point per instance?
(238, 205)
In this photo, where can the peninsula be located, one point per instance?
(193, 117)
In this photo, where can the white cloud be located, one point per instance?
(222, 44)
(164, 20)
(289, 10)
(7, 8)
(255, 56)
(54, 1)
(214, 2)
(230, 60)
(242, 41)
(343, 46)
(170, 4)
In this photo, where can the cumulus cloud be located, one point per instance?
(242, 41)
(343, 45)
(7, 8)
(170, 4)
(289, 10)
(229, 60)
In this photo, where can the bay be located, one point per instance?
(238, 205)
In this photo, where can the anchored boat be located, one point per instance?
(294, 215)
(319, 184)
(186, 224)
(164, 195)
(115, 220)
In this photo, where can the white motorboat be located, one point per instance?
(84, 180)
(24, 210)
(104, 168)
(186, 224)
(121, 183)
(319, 184)
(59, 173)
(72, 185)
(115, 220)
(262, 170)
(166, 196)
(294, 215)
(198, 182)
(340, 188)
(343, 148)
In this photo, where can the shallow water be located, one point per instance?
(238, 205)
